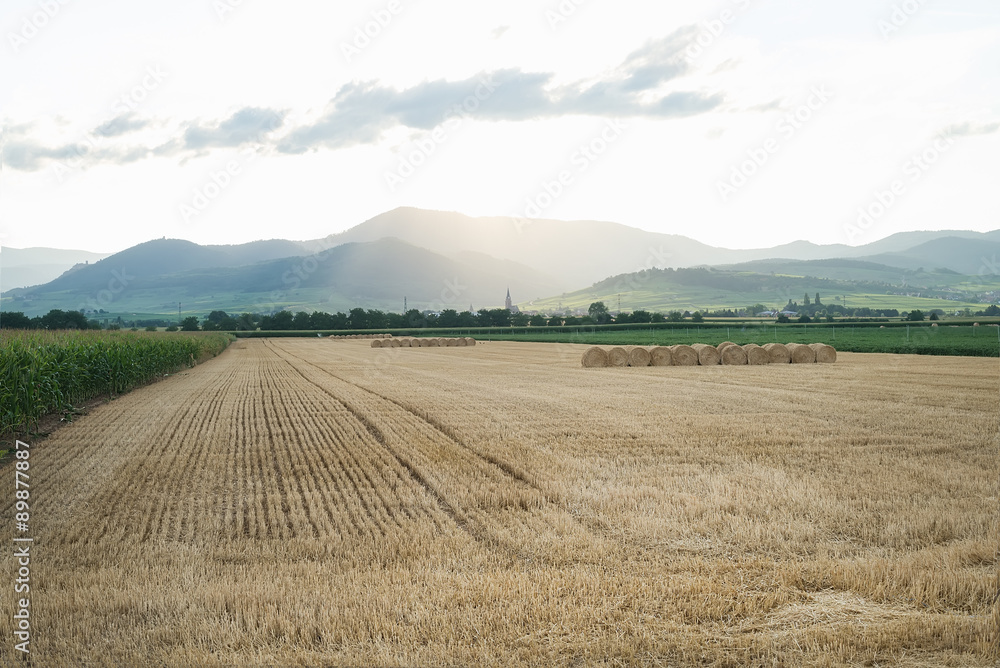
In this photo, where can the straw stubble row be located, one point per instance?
(701, 354)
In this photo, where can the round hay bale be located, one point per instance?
(617, 356)
(801, 354)
(707, 355)
(594, 358)
(778, 353)
(388, 336)
(975, 324)
(638, 357)
(376, 344)
(824, 354)
(469, 341)
(661, 356)
(934, 324)
(451, 343)
(882, 327)
(756, 356)
(437, 342)
(733, 356)
(725, 344)
(684, 355)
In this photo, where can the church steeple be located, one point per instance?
(507, 303)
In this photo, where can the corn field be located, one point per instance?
(44, 372)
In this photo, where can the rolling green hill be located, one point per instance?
(701, 288)
(440, 260)
(142, 280)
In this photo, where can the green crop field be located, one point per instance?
(864, 337)
(45, 372)
(919, 339)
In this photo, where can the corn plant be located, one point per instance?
(46, 372)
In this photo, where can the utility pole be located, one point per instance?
(178, 314)
(619, 302)
(404, 305)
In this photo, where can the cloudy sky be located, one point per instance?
(741, 123)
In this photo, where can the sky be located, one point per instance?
(740, 123)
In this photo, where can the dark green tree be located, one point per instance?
(466, 319)
(189, 324)
(916, 315)
(213, 322)
(377, 319)
(320, 320)
(358, 319)
(282, 320)
(537, 320)
(58, 319)
(641, 316)
(14, 320)
(697, 317)
(599, 312)
(498, 317)
(448, 318)
(415, 319)
(247, 322)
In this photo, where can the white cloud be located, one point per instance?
(275, 76)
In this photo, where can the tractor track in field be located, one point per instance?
(456, 516)
(444, 430)
(506, 475)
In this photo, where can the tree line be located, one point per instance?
(368, 319)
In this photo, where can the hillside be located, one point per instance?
(435, 258)
(973, 257)
(703, 288)
(576, 252)
(21, 267)
(585, 252)
(376, 275)
(163, 257)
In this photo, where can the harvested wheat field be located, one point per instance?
(298, 503)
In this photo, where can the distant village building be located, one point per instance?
(510, 305)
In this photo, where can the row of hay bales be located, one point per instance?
(424, 343)
(361, 336)
(700, 354)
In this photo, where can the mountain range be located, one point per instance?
(437, 260)
(21, 267)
